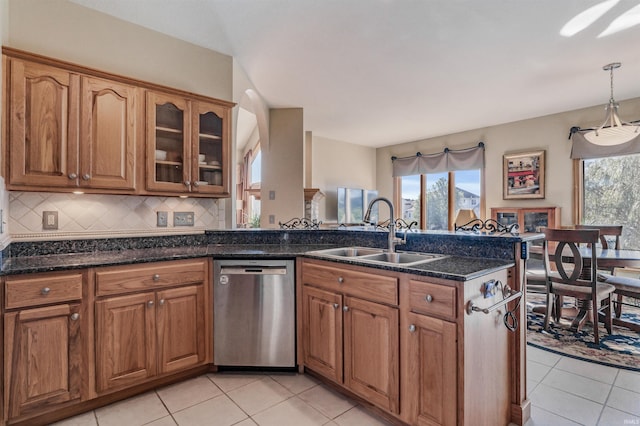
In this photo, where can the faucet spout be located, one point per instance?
(392, 241)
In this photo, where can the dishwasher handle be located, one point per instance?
(253, 270)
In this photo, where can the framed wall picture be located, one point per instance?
(523, 175)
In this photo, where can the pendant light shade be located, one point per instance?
(613, 131)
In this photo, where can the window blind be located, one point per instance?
(447, 161)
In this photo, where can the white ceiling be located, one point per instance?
(382, 72)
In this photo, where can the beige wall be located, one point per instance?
(549, 133)
(340, 164)
(70, 32)
(282, 170)
(67, 31)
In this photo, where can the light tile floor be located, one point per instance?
(563, 391)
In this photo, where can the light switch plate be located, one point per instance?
(183, 219)
(50, 220)
(162, 219)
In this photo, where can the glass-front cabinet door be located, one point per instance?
(209, 148)
(168, 143)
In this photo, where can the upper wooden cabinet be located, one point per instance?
(70, 127)
(109, 129)
(187, 145)
(69, 131)
(43, 111)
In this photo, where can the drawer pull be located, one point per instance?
(336, 306)
(340, 280)
(345, 308)
(429, 298)
(72, 176)
(86, 176)
(150, 303)
(412, 328)
(161, 302)
(75, 316)
(156, 277)
(45, 291)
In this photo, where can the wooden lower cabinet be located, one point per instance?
(371, 352)
(126, 338)
(43, 359)
(322, 335)
(150, 320)
(432, 360)
(144, 335)
(45, 345)
(349, 340)
(405, 343)
(181, 328)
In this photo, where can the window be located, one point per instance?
(254, 183)
(465, 184)
(410, 200)
(438, 201)
(611, 195)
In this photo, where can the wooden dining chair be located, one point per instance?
(627, 283)
(605, 231)
(569, 278)
(613, 242)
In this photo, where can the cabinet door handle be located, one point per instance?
(429, 298)
(161, 302)
(86, 176)
(156, 277)
(336, 306)
(196, 184)
(72, 176)
(187, 183)
(150, 303)
(412, 328)
(45, 291)
(345, 308)
(75, 316)
(340, 280)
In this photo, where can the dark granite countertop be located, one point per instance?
(457, 268)
(468, 255)
(53, 262)
(452, 267)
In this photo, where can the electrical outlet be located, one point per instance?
(183, 219)
(272, 195)
(50, 220)
(162, 219)
(272, 219)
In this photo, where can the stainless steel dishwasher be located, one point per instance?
(254, 313)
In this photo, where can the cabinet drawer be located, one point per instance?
(369, 286)
(120, 279)
(33, 291)
(432, 299)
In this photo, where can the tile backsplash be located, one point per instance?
(97, 214)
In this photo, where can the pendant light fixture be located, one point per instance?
(613, 131)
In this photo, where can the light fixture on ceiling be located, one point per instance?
(613, 131)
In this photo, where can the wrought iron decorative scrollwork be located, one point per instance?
(300, 223)
(491, 226)
(399, 224)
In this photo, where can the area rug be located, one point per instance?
(620, 349)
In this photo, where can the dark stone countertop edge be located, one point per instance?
(454, 268)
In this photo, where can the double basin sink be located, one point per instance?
(378, 256)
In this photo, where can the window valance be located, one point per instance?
(447, 161)
(581, 148)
